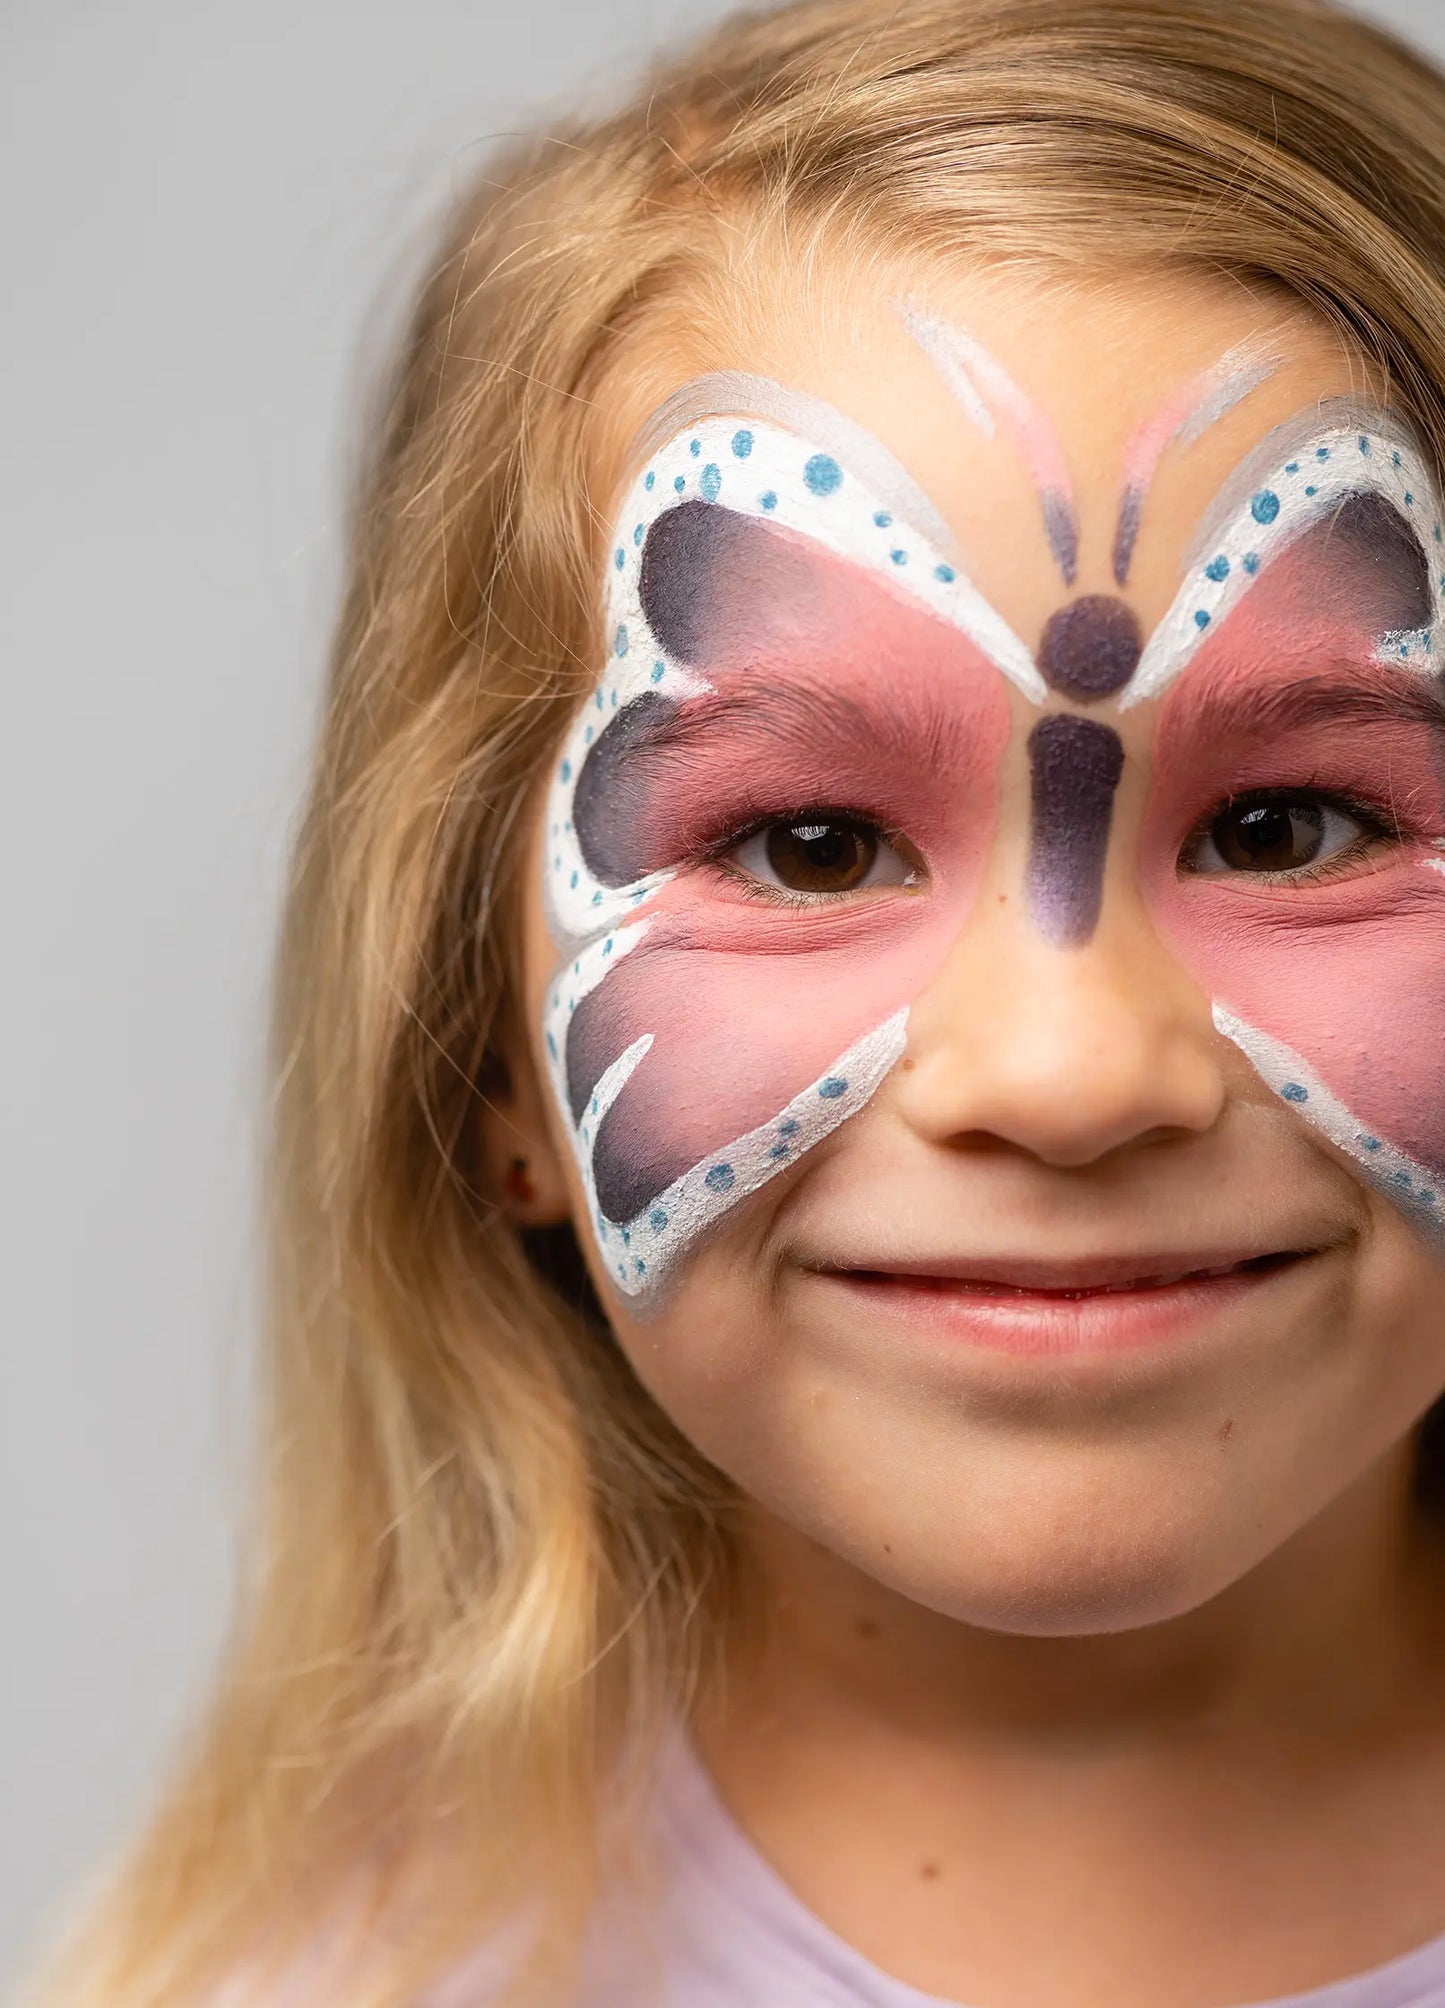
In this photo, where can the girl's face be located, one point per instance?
(988, 942)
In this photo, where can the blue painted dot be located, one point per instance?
(599, 700)
(1201, 618)
(607, 946)
(945, 573)
(1426, 1198)
(882, 518)
(597, 899)
(657, 1220)
(834, 1086)
(1294, 1092)
(639, 1265)
(627, 1237)
(1322, 453)
(1293, 467)
(657, 672)
(593, 1109)
(694, 447)
(1364, 444)
(651, 482)
(823, 474)
(679, 482)
(1404, 651)
(619, 642)
(587, 736)
(566, 770)
(1409, 500)
(1217, 569)
(1439, 533)
(1312, 491)
(899, 557)
(1265, 506)
(1250, 562)
(1400, 1178)
(574, 880)
(789, 1126)
(621, 559)
(639, 533)
(711, 481)
(614, 700)
(778, 1150)
(1396, 458)
(719, 1178)
(742, 443)
(1370, 1142)
(768, 499)
(552, 1045)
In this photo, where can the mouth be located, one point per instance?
(1099, 1306)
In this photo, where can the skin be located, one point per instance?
(1060, 1662)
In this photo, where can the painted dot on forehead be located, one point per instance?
(1090, 648)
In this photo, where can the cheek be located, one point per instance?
(1349, 974)
(1359, 994)
(736, 1035)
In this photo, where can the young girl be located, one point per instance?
(859, 1206)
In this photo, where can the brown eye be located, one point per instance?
(1269, 836)
(1275, 834)
(819, 855)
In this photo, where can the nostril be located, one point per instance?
(1090, 648)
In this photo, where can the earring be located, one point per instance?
(519, 1187)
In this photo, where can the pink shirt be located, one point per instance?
(726, 1932)
(722, 1930)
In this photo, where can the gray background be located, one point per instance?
(205, 210)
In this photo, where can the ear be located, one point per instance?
(520, 1161)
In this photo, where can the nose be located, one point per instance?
(1066, 1052)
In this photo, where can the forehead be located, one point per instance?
(1096, 357)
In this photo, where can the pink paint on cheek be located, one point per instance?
(748, 1000)
(1349, 972)
(740, 1026)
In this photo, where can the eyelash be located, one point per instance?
(715, 853)
(1377, 823)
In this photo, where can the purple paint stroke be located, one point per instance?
(1074, 768)
(1061, 523)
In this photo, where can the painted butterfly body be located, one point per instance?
(774, 620)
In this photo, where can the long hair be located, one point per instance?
(486, 1565)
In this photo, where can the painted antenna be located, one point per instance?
(987, 393)
(1202, 402)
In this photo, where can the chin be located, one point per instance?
(1093, 1603)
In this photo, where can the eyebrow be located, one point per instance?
(785, 711)
(1387, 698)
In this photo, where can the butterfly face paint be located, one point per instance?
(1302, 656)
(783, 647)
(795, 642)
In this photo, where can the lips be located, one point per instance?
(1048, 1309)
(1119, 1276)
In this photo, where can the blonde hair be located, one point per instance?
(487, 1563)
